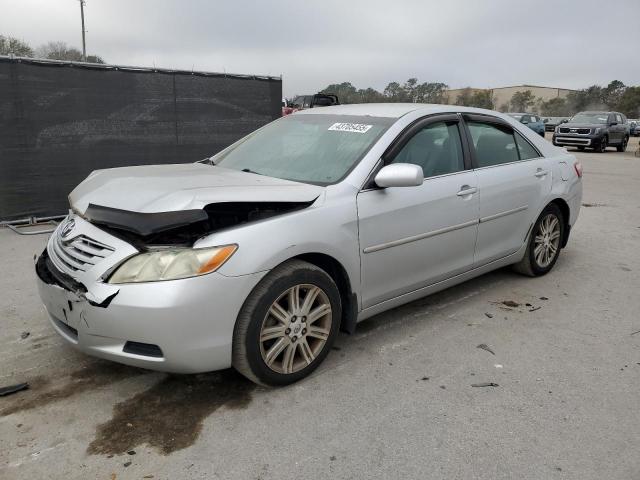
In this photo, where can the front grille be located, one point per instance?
(578, 131)
(77, 254)
(572, 141)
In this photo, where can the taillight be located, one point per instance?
(578, 168)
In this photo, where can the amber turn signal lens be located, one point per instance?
(216, 261)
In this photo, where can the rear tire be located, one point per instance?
(623, 146)
(287, 325)
(544, 243)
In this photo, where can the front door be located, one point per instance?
(411, 237)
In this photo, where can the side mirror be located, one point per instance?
(399, 175)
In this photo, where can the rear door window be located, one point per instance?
(525, 149)
(494, 144)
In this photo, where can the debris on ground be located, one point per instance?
(485, 384)
(528, 305)
(24, 335)
(594, 205)
(488, 315)
(510, 303)
(13, 389)
(533, 309)
(127, 464)
(544, 298)
(443, 387)
(486, 347)
(131, 452)
(635, 332)
(497, 365)
(424, 378)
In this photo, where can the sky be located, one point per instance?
(479, 43)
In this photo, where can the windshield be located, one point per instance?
(590, 118)
(318, 149)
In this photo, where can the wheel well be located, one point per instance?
(564, 208)
(339, 275)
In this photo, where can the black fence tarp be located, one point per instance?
(60, 121)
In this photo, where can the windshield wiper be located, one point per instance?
(248, 170)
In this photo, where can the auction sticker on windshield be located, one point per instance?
(350, 127)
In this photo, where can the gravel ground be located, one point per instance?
(392, 401)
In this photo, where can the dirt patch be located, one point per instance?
(169, 415)
(43, 391)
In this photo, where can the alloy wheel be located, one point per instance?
(547, 240)
(295, 328)
(603, 145)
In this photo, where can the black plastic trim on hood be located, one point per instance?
(186, 226)
(144, 224)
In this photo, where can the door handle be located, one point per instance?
(466, 190)
(541, 173)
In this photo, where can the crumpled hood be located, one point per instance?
(166, 188)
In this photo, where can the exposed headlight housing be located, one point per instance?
(597, 130)
(556, 130)
(172, 264)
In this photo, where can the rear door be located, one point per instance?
(513, 181)
(411, 237)
(621, 128)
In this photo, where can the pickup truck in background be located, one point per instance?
(303, 102)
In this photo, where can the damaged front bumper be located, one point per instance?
(181, 326)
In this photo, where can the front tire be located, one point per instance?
(623, 146)
(287, 325)
(604, 143)
(544, 244)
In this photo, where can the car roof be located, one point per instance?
(391, 110)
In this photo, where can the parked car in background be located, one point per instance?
(257, 257)
(596, 130)
(534, 122)
(550, 123)
(304, 102)
(634, 127)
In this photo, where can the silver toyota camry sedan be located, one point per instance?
(257, 257)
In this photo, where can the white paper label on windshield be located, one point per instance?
(350, 127)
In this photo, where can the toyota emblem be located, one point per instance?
(67, 228)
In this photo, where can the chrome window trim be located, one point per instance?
(509, 163)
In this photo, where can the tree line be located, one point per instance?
(615, 96)
(50, 50)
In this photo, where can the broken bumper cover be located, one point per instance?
(181, 326)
